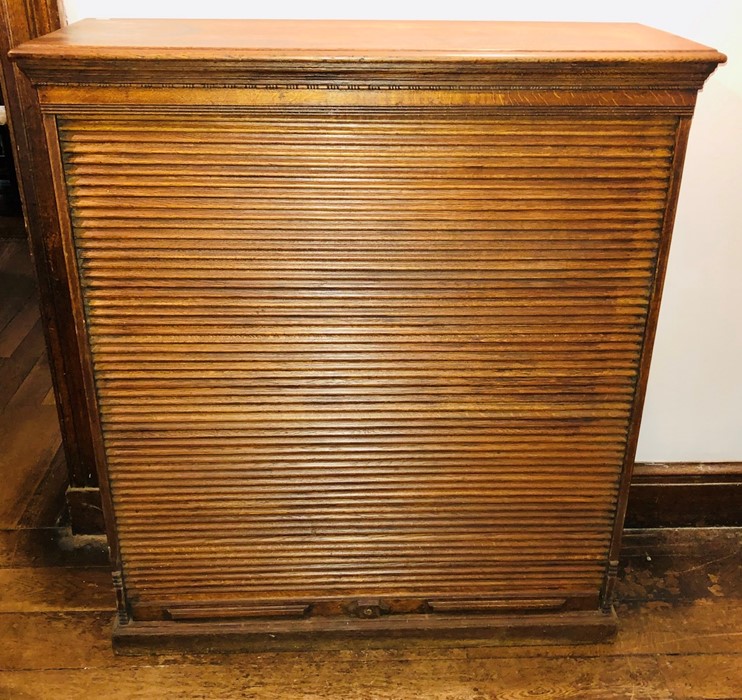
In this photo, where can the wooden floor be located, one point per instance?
(32, 470)
(680, 637)
(680, 597)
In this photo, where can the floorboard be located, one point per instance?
(680, 638)
(240, 677)
(32, 468)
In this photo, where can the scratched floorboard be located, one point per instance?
(681, 637)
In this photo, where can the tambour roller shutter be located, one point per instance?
(366, 355)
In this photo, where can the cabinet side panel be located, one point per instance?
(671, 202)
(341, 355)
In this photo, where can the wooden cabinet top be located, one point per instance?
(389, 40)
(364, 44)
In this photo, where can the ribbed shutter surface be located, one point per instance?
(352, 354)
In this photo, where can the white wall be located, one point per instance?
(694, 402)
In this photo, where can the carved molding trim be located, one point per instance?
(369, 75)
(344, 86)
(118, 587)
(131, 110)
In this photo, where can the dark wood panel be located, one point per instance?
(686, 495)
(19, 22)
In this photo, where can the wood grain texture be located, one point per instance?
(347, 39)
(357, 351)
(20, 22)
(47, 505)
(612, 678)
(686, 645)
(42, 641)
(401, 358)
(675, 566)
(31, 464)
(40, 589)
(399, 54)
(438, 680)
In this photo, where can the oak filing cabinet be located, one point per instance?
(361, 313)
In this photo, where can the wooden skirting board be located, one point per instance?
(672, 494)
(679, 494)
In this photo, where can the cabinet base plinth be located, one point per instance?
(272, 635)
